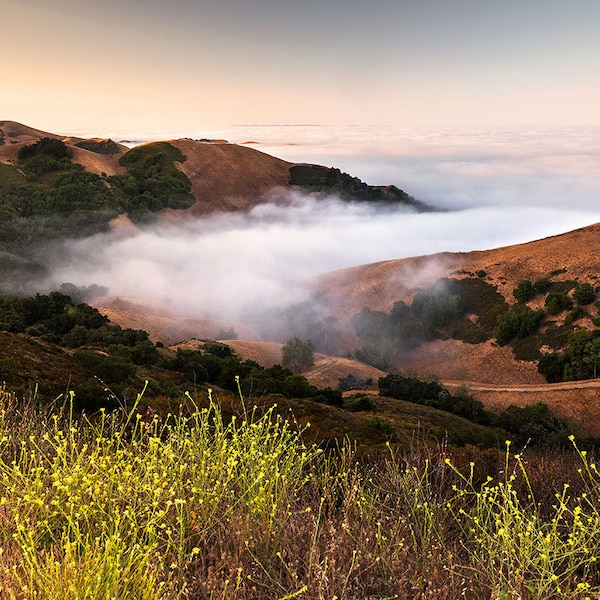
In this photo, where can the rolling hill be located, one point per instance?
(493, 373)
(380, 317)
(223, 176)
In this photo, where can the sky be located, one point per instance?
(138, 65)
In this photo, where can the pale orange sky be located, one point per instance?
(77, 65)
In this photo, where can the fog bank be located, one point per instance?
(221, 265)
(496, 188)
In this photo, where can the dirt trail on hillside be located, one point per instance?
(578, 401)
(547, 387)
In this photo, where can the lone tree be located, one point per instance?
(524, 291)
(298, 354)
(584, 293)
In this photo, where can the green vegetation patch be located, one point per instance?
(76, 203)
(580, 360)
(45, 156)
(519, 323)
(152, 181)
(532, 424)
(331, 181)
(100, 146)
(479, 298)
(443, 310)
(121, 357)
(11, 175)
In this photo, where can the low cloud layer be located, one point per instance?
(217, 266)
(495, 189)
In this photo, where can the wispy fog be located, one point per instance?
(497, 188)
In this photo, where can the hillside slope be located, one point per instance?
(223, 176)
(379, 285)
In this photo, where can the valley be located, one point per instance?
(365, 321)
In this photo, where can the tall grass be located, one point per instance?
(124, 506)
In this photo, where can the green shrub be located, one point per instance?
(436, 307)
(542, 286)
(518, 324)
(50, 147)
(524, 291)
(576, 314)
(380, 424)
(557, 302)
(411, 389)
(99, 146)
(358, 403)
(584, 293)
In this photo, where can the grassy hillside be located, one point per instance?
(51, 344)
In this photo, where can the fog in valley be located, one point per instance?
(491, 188)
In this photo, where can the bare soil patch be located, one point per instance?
(229, 177)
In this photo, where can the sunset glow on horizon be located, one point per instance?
(82, 66)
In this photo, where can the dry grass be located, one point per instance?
(193, 507)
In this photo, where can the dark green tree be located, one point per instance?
(298, 354)
(557, 302)
(524, 291)
(584, 293)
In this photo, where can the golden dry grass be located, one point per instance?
(229, 177)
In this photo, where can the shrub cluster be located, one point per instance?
(45, 156)
(152, 181)
(219, 366)
(519, 323)
(331, 181)
(437, 311)
(57, 197)
(72, 202)
(580, 360)
(99, 146)
(113, 354)
(532, 424)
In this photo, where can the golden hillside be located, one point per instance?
(224, 176)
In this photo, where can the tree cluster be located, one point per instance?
(152, 181)
(114, 354)
(331, 181)
(520, 323)
(45, 156)
(437, 311)
(531, 425)
(580, 360)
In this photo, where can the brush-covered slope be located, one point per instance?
(218, 176)
(467, 345)
(375, 317)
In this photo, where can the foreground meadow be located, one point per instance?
(193, 505)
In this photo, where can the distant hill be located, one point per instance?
(223, 176)
(467, 347)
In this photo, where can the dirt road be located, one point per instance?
(524, 388)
